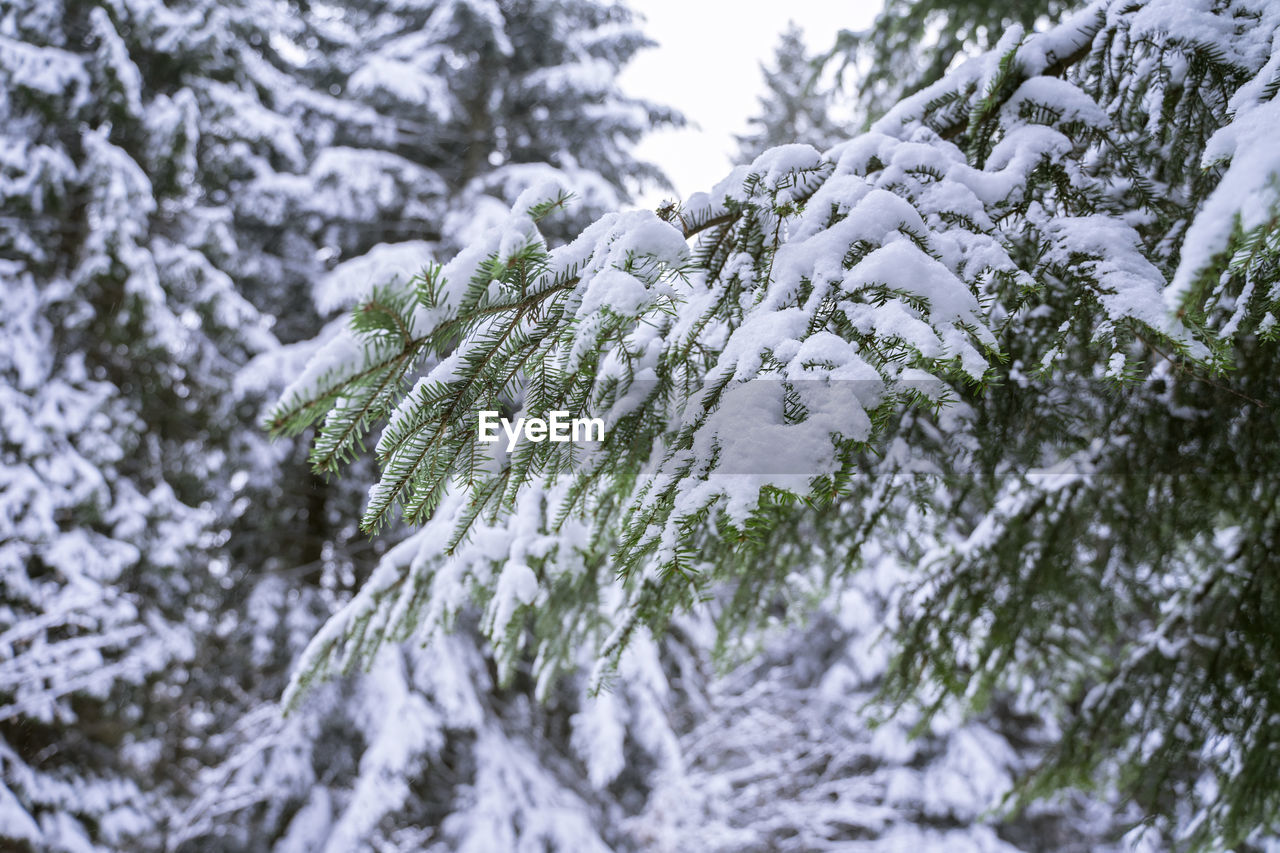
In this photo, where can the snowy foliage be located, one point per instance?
(781, 755)
(119, 331)
(960, 426)
(463, 105)
(913, 43)
(906, 319)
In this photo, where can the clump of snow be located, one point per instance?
(386, 263)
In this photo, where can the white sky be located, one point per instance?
(707, 65)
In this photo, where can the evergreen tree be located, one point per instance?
(912, 43)
(467, 105)
(406, 113)
(121, 334)
(253, 144)
(779, 755)
(796, 106)
(1029, 317)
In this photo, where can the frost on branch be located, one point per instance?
(939, 322)
(885, 268)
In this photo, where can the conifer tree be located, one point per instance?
(121, 335)
(912, 43)
(246, 147)
(466, 105)
(796, 106)
(1029, 316)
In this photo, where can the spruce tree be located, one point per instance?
(792, 750)
(913, 43)
(797, 104)
(1028, 316)
(462, 106)
(121, 335)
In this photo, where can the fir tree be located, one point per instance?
(796, 106)
(250, 153)
(778, 754)
(467, 104)
(121, 334)
(913, 43)
(1029, 316)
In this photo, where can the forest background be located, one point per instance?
(989, 621)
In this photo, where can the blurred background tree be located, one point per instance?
(798, 104)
